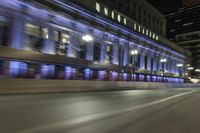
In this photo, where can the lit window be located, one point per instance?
(187, 24)
(135, 26)
(156, 38)
(32, 30)
(143, 31)
(106, 11)
(45, 33)
(108, 48)
(139, 28)
(172, 30)
(118, 18)
(65, 38)
(150, 34)
(178, 20)
(125, 21)
(113, 15)
(97, 7)
(147, 32)
(153, 36)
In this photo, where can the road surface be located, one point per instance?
(135, 111)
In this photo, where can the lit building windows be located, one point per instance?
(118, 18)
(45, 33)
(125, 21)
(135, 26)
(187, 24)
(61, 40)
(143, 31)
(106, 11)
(4, 30)
(153, 36)
(147, 32)
(36, 36)
(113, 15)
(156, 38)
(139, 28)
(32, 30)
(97, 7)
(172, 30)
(150, 34)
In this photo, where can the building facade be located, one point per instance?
(190, 3)
(184, 29)
(59, 39)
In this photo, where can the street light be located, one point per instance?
(179, 65)
(134, 52)
(87, 38)
(163, 60)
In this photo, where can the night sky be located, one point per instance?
(166, 6)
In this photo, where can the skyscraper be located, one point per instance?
(190, 3)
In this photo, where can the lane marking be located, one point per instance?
(96, 116)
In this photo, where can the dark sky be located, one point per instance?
(166, 6)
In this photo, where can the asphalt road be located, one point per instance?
(137, 111)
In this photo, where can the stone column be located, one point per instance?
(103, 49)
(149, 60)
(126, 54)
(90, 48)
(141, 58)
(116, 52)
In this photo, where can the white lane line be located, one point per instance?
(92, 117)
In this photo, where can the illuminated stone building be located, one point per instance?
(87, 40)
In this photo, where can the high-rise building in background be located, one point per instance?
(190, 3)
(183, 27)
(100, 40)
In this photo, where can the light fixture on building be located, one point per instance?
(179, 65)
(163, 60)
(87, 38)
(134, 52)
(190, 68)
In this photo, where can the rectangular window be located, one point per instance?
(45, 33)
(98, 7)
(62, 41)
(36, 36)
(4, 30)
(32, 30)
(119, 18)
(135, 26)
(113, 15)
(125, 21)
(106, 11)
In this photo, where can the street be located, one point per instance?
(133, 111)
